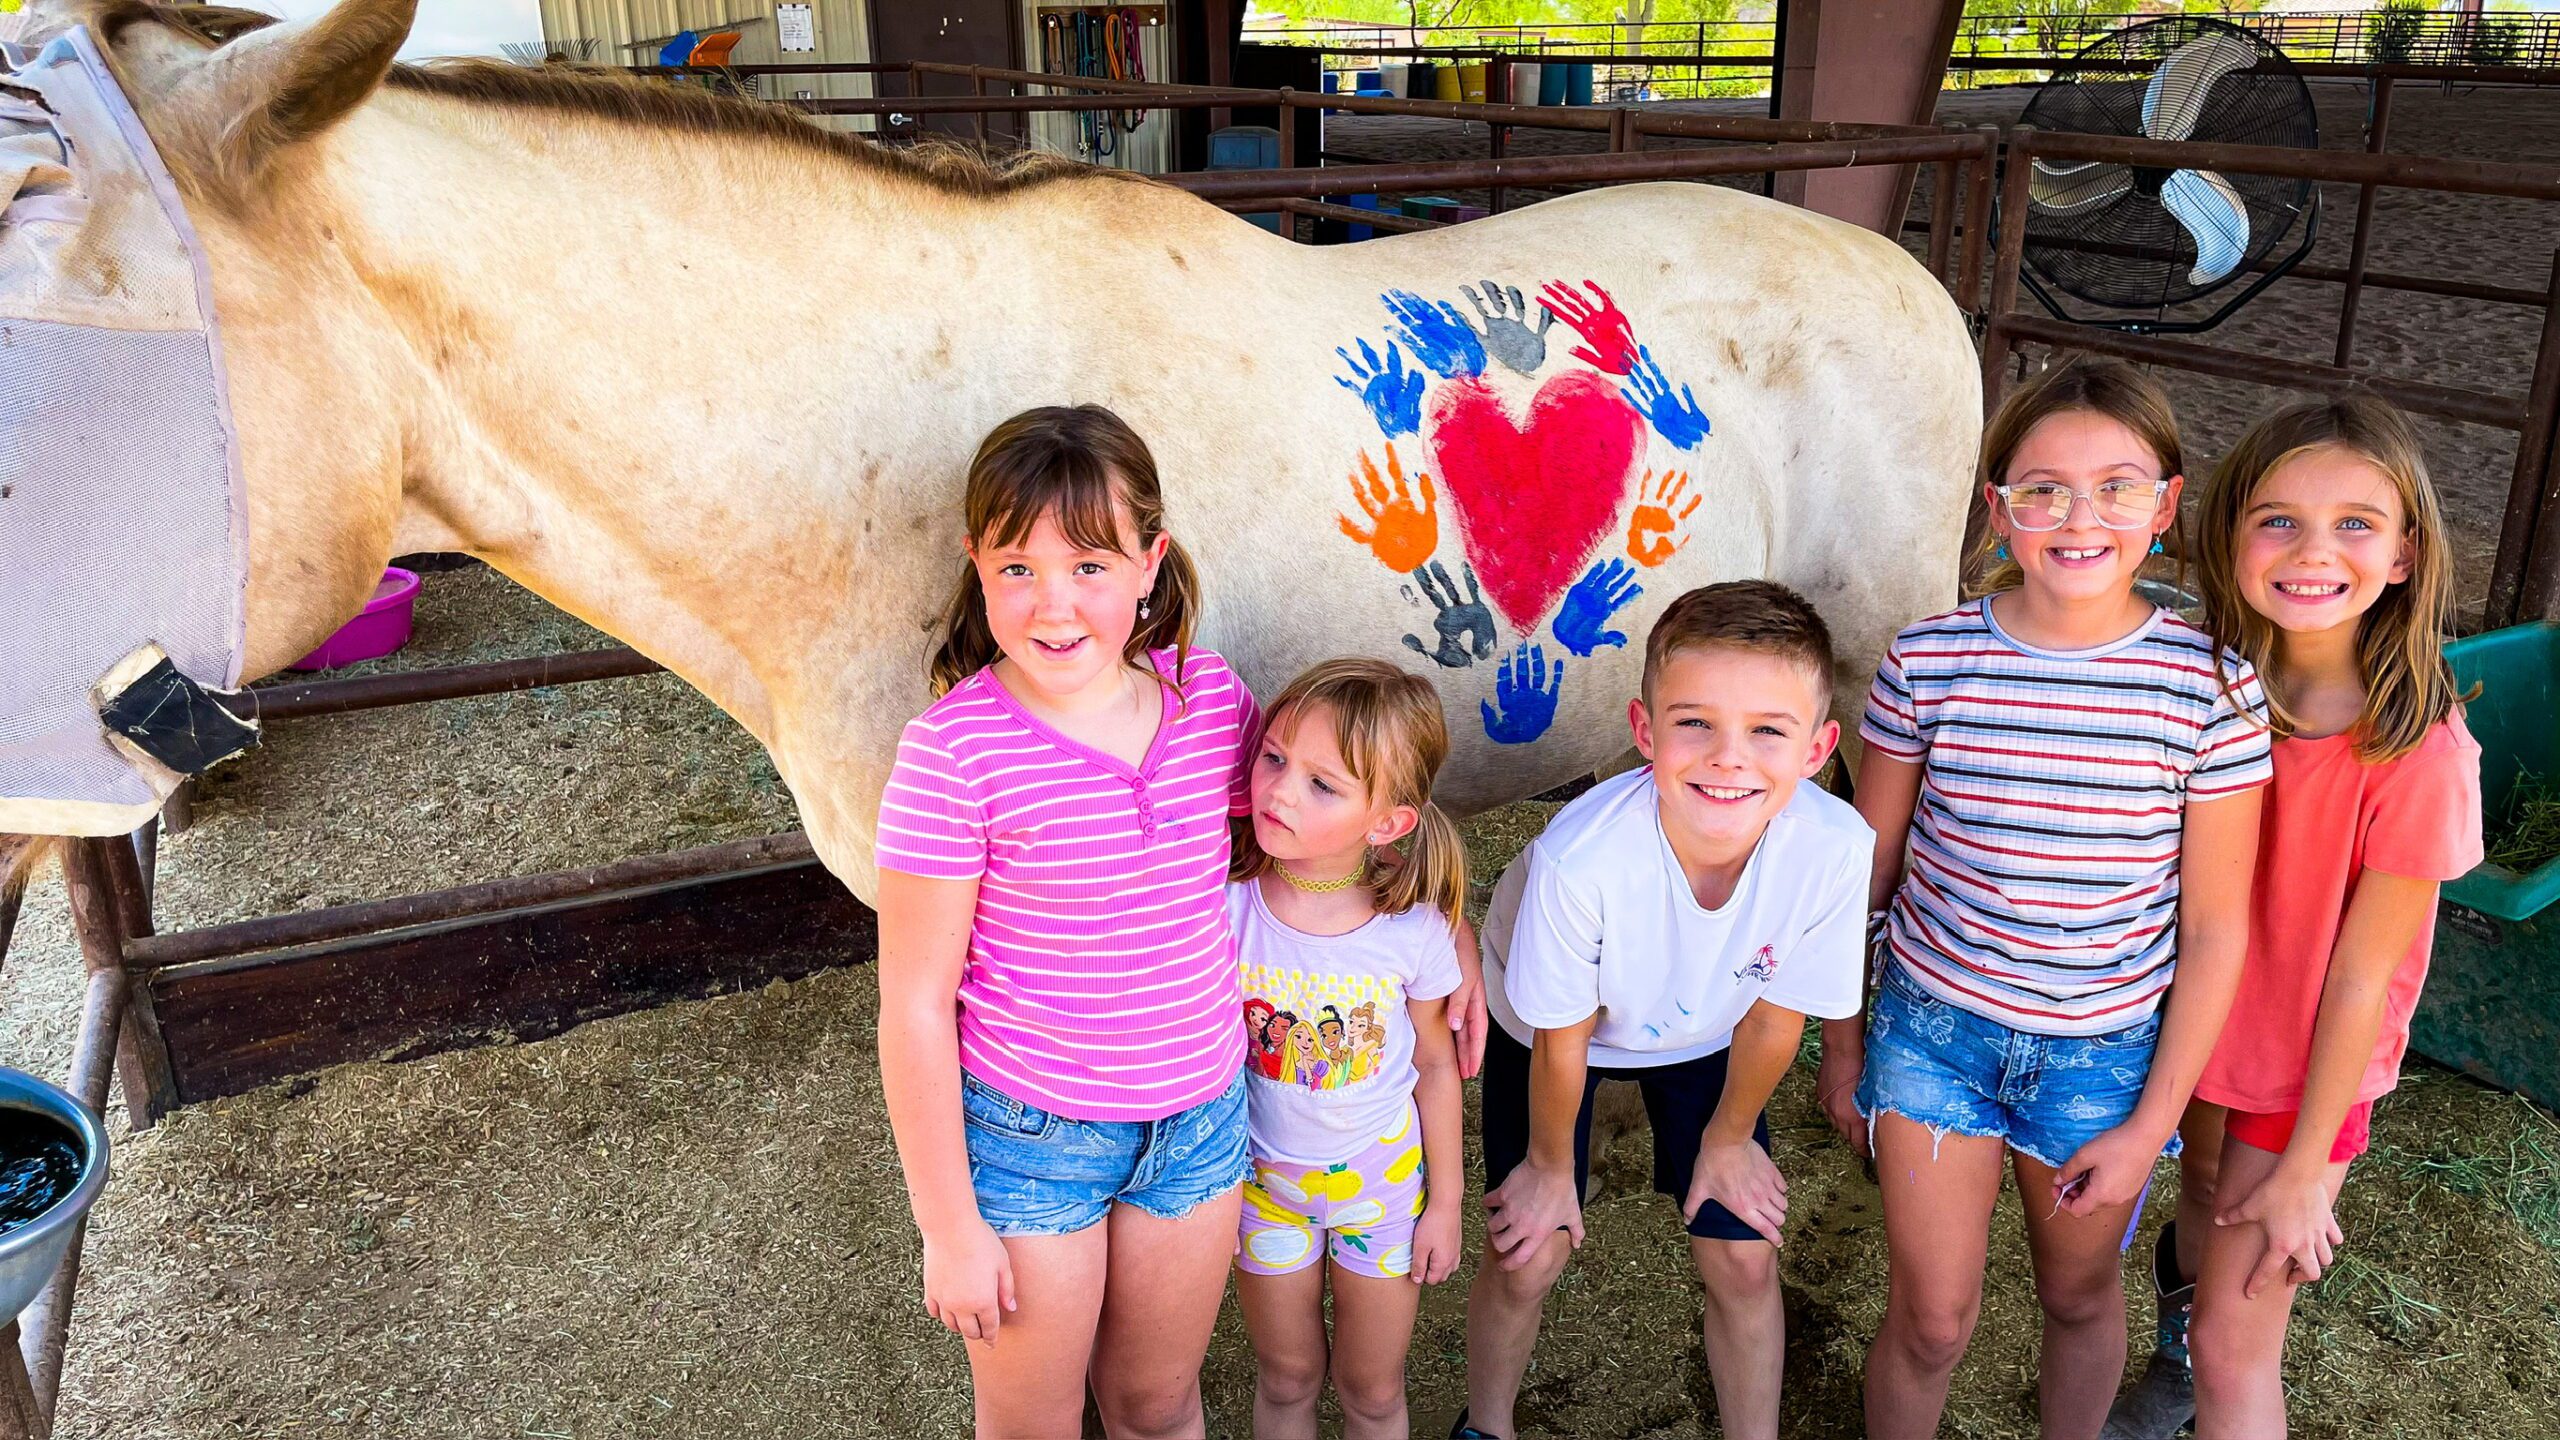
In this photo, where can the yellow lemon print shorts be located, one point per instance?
(1360, 1212)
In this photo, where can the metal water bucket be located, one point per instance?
(31, 1253)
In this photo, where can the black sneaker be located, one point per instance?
(2163, 1402)
(1461, 1430)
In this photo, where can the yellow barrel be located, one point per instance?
(1471, 83)
(1444, 83)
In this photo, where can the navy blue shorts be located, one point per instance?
(1679, 1100)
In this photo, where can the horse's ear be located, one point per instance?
(278, 86)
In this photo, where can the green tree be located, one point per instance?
(2053, 26)
(1416, 13)
(1500, 12)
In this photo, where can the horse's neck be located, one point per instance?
(673, 382)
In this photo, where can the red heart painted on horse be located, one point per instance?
(1534, 498)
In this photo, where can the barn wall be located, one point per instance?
(843, 26)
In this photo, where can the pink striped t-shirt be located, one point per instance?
(1101, 982)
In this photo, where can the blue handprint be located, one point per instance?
(1675, 418)
(1526, 692)
(1392, 393)
(1436, 333)
(1602, 591)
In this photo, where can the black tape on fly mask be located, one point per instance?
(178, 722)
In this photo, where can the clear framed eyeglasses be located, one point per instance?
(2117, 504)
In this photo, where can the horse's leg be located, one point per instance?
(839, 802)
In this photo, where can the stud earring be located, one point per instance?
(2156, 547)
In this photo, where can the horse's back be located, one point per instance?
(1495, 452)
(1842, 380)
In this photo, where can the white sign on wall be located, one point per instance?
(798, 25)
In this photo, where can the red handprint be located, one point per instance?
(1655, 532)
(1607, 343)
(1401, 533)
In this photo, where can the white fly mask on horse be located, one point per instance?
(123, 533)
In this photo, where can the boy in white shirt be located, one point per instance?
(1673, 926)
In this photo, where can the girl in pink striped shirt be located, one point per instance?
(1053, 848)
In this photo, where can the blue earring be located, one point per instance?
(2002, 552)
(2156, 547)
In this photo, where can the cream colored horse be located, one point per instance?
(708, 378)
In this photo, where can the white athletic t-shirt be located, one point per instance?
(1597, 915)
(1328, 1059)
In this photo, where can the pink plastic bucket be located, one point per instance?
(379, 629)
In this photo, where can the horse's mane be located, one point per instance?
(625, 99)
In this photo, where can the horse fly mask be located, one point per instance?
(123, 537)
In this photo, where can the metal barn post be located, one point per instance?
(2377, 133)
(2529, 542)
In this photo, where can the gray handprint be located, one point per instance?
(1466, 627)
(1506, 326)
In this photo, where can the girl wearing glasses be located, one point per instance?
(2075, 775)
(2324, 562)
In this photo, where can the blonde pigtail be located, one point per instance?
(1431, 870)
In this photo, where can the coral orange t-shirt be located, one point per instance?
(2329, 817)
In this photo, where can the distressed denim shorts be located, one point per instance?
(1956, 1072)
(1041, 1173)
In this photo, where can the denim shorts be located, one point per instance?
(1956, 1072)
(1041, 1173)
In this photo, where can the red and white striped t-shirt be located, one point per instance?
(2042, 884)
(1101, 982)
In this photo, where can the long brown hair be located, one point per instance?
(1085, 466)
(1387, 724)
(2408, 686)
(2103, 387)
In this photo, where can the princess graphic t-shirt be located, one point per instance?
(1328, 1041)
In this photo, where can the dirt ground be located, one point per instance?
(690, 1222)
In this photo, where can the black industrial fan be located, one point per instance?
(2139, 238)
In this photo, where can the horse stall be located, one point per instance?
(185, 1017)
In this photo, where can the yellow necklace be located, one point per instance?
(1323, 887)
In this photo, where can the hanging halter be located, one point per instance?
(1127, 58)
(1096, 45)
(1085, 60)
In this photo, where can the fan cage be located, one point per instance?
(2132, 254)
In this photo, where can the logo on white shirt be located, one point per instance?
(1763, 967)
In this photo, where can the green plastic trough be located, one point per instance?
(2492, 1005)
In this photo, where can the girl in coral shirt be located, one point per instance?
(2324, 563)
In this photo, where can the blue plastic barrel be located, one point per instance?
(1578, 84)
(1361, 202)
(1551, 83)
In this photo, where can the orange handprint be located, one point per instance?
(1654, 532)
(1401, 534)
